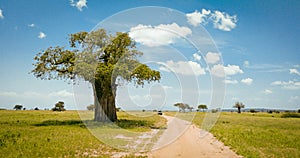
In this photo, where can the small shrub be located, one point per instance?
(253, 111)
(290, 115)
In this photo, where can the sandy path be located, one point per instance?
(188, 143)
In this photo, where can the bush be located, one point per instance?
(289, 114)
(253, 111)
(298, 110)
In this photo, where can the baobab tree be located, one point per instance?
(99, 59)
(239, 105)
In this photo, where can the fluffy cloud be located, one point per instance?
(223, 21)
(267, 91)
(220, 70)
(228, 81)
(79, 4)
(1, 14)
(197, 57)
(183, 67)
(233, 70)
(197, 18)
(291, 85)
(31, 25)
(294, 71)
(163, 34)
(62, 93)
(42, 35)
(212, 58)
(247, 81)
(246, 63)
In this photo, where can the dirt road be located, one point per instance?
(181, 139)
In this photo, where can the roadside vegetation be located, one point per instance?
(42, 133)
(257, 134)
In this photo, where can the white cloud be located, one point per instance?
(220, 70)
(79, 4)
(223, 21)
(163, 34)
(42, 35)
(291, 85)
(247, 81)
(8, 94)
(1, 14)
(267, 91)
(183, 67)
(228, 81)
(62, 93)
(197, 57)
(212, 58)
(31, 25)
(197, 18)
(294, 71)
(246, 63)
(233, 70)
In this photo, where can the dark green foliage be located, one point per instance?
(18, 107)
(59, 106)
(253, 111)
(298, 110)
(60, 123)
(202, 107)
(290, 115)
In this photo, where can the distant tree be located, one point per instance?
(239, 105)
(91, 107)
(298, 110)
(183, 106)
(202, 107)
(253, 111)
(36, 108)
(180, 106)
(24, 108)
(143, 110)
(18, 107)
(59, 106)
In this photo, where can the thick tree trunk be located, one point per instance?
(104, 100)
(239, 110)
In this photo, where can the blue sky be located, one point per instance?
(257, 42)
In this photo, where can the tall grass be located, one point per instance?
(58, 134)
(257, 135)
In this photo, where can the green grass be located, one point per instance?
(257, 135)
(60, 134)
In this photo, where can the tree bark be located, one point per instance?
(239, 110)
(104, 101)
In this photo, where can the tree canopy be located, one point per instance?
(100, 59)
(239, 105)
(202, 107)
(183, 106)
(18, 107)
(59, 106)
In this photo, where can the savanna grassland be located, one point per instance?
(60, 134)
(257, 134)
